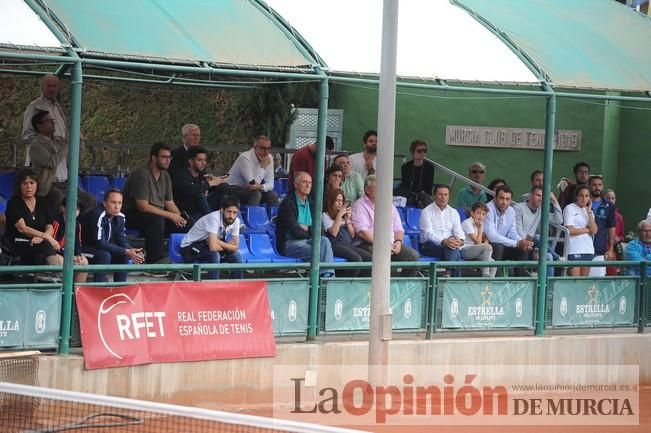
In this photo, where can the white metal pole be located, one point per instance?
(380, 320)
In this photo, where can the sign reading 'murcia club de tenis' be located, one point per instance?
(519, 138)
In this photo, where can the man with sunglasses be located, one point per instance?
(252, 175)
(470, 194)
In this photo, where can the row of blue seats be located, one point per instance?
(254, 248)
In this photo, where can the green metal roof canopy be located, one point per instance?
(574, 43)
(241, 33)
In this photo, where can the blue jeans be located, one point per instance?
(443, 253)
(199, 252)
(302, 249)
(103, 257)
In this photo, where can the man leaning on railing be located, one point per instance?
(640, 248)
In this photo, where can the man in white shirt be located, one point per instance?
(364, 162)
(50, 88)
(501, 229)
(215, 238)
(441, 235)
(252, 175)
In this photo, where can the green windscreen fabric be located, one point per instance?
(598, 44)
(236, 32)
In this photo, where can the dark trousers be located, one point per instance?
(352, 254)
(443, 253)
(103, 257)
(198, 252)
(503, 252)
(406, 254)
(153, 227)
(253, 198)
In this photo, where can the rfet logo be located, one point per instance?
(119, 318)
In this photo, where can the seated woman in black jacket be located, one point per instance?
(29, 223)
(417, 176)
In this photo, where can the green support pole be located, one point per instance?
(643, 312)
(71, 208)
(550, 125)
(431, 301)
(317, 188)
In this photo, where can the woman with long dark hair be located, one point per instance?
(579, 220)
(29, 223)
(337, 223)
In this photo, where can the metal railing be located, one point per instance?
(429, 272)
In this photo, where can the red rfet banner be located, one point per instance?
(169, 322)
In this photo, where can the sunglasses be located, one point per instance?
(265, 148)
(421, 150)
(477, 171)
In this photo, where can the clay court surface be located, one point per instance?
(47, 416)
(644, 427)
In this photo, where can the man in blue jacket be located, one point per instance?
(104, 240)
(640, 248)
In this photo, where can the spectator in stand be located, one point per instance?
(279, 170)
(417, 176)
(471, 194)
(527, 219)
(476, 245)
(363, 220)
(441, 235)
(364, 162)
(104, 239)
(493, 185)
(578, 217)
(537, 177)
(191, 138)
(338, 225)
(215, 238)
(49, 155)
(640, 248)
(59, 233)
(604, 215)
(352, 183)
(501, 230)
(149, 205)
(48, 101)
(294, 231)
(29, 223)
(620, 236)
(252, 175)
(195, 192)
(333, 176)
(567, 187)
(303, 161)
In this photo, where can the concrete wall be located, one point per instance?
(249, 381)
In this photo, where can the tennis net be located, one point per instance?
(32, 409)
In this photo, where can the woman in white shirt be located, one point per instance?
(579, 219)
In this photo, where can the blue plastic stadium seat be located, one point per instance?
(261, 247)
(135, 233)
(175, 247)
(7, 184)
(257, 220)
(414, 243)
(97, 185)
(246, 255)
(3, 205)
(412, 221)
(118, 182)
(462, 214)
(339, 259)
(281, 186)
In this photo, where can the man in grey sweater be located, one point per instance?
(527, 215)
